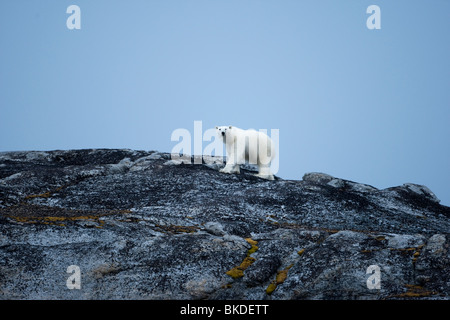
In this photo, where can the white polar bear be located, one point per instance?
(247, 145)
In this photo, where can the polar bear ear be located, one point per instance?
(230, 127)
(217, 127)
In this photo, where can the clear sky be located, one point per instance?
(371, 106)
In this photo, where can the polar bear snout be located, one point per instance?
(222, 130)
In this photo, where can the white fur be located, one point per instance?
(251, 145)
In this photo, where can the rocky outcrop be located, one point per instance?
(140, 225)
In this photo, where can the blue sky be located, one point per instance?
(371, 106)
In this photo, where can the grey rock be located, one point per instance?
(421, 191)
(214, 228)
(144, 225)
(336, 183)
(317, 177)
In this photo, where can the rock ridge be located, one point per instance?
(142, 225)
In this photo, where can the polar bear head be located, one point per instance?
(224, 131)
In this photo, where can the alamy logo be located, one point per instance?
(374, 281)
(74, 281)
(74, 20)
(374, 20)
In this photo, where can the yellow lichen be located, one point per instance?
(55, 220)
(61, 220)
(271, 288)
(42, 195)
(301, 252)
(414, 291)
(47, 194)
(238, 272)
(281, 276)
(417, 253)
(251, 241)
(177, 229)
(279, 279)
(254, 247)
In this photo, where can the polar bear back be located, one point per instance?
(250, 145)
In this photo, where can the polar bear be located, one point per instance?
(247, 145)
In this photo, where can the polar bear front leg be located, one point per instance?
(231, 167)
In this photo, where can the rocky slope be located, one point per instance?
(142, 226)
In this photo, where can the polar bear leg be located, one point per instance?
(234, 159)
(264, 172)
(230, 168)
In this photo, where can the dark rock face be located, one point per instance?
(142, 226)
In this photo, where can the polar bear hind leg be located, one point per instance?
(264, 172)
(230, 168)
